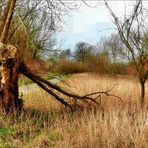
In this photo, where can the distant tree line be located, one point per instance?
(106, 56)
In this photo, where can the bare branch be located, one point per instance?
(46, 85)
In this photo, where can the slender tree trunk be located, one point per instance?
(7, 20)
(4, 16)
(142, 84)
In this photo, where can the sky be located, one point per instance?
(91, 24)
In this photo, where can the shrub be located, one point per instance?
(68, 67)
(36, 65)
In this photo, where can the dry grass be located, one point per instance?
(46, 124)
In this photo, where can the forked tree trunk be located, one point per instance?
(9, 65)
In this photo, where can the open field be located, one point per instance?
(45, 123)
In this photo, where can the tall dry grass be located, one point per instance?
(45, 123)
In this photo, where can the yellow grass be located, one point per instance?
(46, 124)
(125, 87)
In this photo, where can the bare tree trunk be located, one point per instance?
(7, 20)
(142, 84)
(9, 82)
(9, 102)
(4, 16)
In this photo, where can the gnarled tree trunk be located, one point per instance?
(9, 82)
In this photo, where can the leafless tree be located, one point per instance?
(133, 32)
(117, 50)
(82, 51)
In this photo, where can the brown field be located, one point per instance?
(46, 124)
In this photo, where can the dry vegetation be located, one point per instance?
(47, 124)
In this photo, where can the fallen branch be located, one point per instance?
(47, 86)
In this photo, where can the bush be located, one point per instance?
(103, 66)
(68, 67)
(36, 66)
(94, 64)
(98, 65)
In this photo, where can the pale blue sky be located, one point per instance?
(87, 24)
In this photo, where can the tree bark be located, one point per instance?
(142, 84)
(9, 101)
(7, 20)
(4, 16)
(9, 82)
